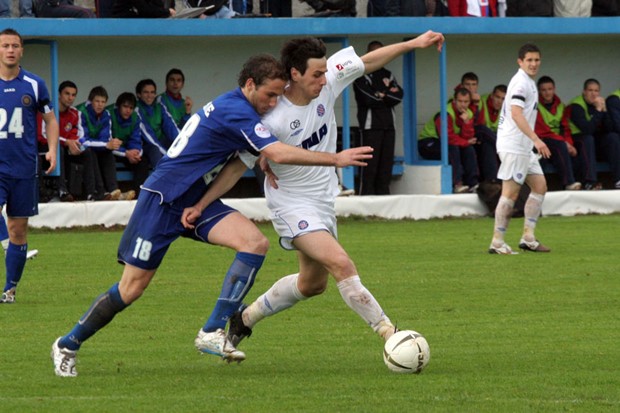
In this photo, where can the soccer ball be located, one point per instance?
(407, 351)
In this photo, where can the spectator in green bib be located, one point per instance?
(179, 107)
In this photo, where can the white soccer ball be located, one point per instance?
(407, 351)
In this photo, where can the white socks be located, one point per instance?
(503, 213)
(282, 295)
(363, 303)
(532, 209)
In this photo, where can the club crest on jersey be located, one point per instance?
(26, 100)
(261, 131)
(303, 224)
(68, 126)
(320, 110)
(519, 176)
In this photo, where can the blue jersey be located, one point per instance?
(20, 100)
(212, 136)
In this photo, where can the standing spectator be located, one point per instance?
(516, 140)
(486, 132)
(379, 8)
(376, 94)
(552, 127)
(572, 8)
(179, 107)
(157, 125)
(61, 8)
(605, 7)
(25, 8)
(22, 95)
(461, 141)
(276, 8)
(71, 149)
(593, 134)
(126, 128)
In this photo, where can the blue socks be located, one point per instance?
(237, 283)
(100, 313)
(15, 262)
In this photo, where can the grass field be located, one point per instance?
(524, 333)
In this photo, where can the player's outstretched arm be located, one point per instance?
(380, 57)
(224, 181)
(286, 154)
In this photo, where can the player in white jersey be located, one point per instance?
(519, 164)
(302, 200)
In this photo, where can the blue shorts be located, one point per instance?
(153, 226)
(21, 196)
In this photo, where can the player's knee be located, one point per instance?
(310, 290)
(341, 266)
(257, 244)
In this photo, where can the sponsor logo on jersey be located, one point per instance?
(26, 100)
(303, 224)
(297, 132)
(261, 131)
(342, 66)
(9, 89)
(295, 124)
(320, 110)
(315, 138)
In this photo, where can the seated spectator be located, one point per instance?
(552, 127)
(61, 8)
(141, 9)
(572, 8)
(179, 107)
(391, 8)
(473, 8)
(72, 152)
(126, 128)
(486, 132)
(613, 109)
(219, 9)
(25, 8)
(96, 123)
(605, 7)
(469, 81)
(461, 141)
(529, 8)
(593, 135)
(276, 8)
(156, 124)
(334, 8)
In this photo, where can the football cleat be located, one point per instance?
(8, 297)
(64, 360)
(31, 254)
(216, 343)
(533, 246)
(237, 331)
(504, 249)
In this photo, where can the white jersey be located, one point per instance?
(312, 127)
(521, 92)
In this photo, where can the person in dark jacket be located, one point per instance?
(61, 8)
(376, 95)
(141, 9)
(529, 8)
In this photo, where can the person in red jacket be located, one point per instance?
(472, 8)
(70, 131)
(552, 127)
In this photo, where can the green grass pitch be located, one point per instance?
(523, 333)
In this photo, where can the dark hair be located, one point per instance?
(66, 84)
(469, 76)
(461, 91)
(375, 44)
(145, 82)
(588, 82)
(500, 88)
(545, 79)
(12, 32)
(296, 52)
(175, 71)
(126, 98)
(528, 48)
(98, 91)
(260, 68)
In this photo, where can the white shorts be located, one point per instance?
(517, 167)
(293, 222)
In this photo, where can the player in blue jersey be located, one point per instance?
(209, 140)
(22, 95)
